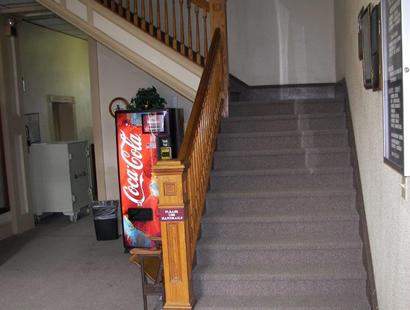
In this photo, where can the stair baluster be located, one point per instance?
(143, 21)
(181, 28)
(159, 36)
(190, 53)
(127, 10)
(151, 18)
(136, 13)
(120, 8)
(113, 5)
(166, 23)
(204, 16)
(174, 26)
(198, 35)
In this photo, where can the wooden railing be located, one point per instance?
(183, 183)
(181, 24)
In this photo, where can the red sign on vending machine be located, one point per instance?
(137, 153)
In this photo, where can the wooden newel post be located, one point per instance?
(171, 176)
(217, 12)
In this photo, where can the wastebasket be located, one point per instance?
(105, 219)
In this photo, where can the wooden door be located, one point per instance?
(64, 121)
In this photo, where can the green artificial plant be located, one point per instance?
(147, 99)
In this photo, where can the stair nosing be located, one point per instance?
(283, 116)
(284, 171)
(284, 133)
(286, 101)
(307, 150)
(282, 193)
(262, 273)
(302, 218)
(227, 244)
(337, 301)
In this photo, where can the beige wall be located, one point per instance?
(388, 215)
(53, 63)
(281, 41)
(119, 78)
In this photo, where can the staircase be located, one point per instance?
(281, 230)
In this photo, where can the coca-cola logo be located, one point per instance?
(131, 154)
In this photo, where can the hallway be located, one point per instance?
(60, 265)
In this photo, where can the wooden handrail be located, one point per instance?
(141, 13)
(183, 182)
(193, 122)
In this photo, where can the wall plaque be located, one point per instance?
(396, 83)
(172, 214)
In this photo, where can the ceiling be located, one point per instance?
(32, 12)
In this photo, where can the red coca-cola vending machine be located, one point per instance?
(142, 139)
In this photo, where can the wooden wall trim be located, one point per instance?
(367, 256)
(96, 120)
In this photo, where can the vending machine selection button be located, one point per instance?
(166, 153)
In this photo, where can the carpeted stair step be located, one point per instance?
(259, 108)
(291, 92)
(283, 122)
(292, 242)
(284, 158)
(248, 141)
(280, 214)
(283, 302)
(270, 226)
(281, 179)
(209, 253)
(321, 236)
(277, 279)
(322, 199)
(246, 108)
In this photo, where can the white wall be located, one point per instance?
(281, 41)
(53, 63)
(388, 215)
(119, 78)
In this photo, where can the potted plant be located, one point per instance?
(146, 99)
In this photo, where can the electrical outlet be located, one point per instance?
(404, 188)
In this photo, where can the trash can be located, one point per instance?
(105, 219)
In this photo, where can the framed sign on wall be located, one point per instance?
(396, 83)
(365, 27)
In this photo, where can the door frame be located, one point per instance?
(14, 135)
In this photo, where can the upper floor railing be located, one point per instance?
(181, 24)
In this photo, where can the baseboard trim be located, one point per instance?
(239, 81)
(367, 257)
